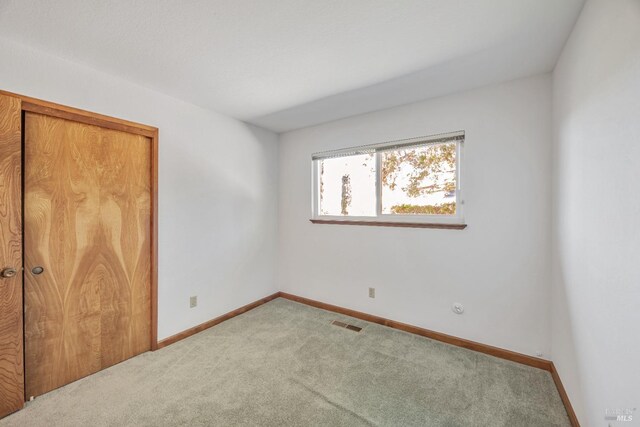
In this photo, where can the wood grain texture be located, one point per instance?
(11, 339)
(391, 224)
(573, 418)
(206, 325)
(87, 212)
(40, 106)
(438, 336)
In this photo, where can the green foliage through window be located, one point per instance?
(419, 180)
(444, 209)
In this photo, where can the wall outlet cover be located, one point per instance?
(193, 301)
(372, 292)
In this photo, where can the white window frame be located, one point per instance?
(378, 149)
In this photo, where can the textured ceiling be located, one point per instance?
(285, 64)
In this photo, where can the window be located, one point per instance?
(408, 181)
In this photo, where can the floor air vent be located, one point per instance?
(346, 326)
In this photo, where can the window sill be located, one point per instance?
(392, 224)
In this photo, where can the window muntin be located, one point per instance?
(409, 180)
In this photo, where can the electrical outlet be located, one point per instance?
(372, 292)
(193, 301)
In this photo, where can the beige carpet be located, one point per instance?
(284, 364)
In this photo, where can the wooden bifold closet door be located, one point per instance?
(11, 357)
(87, 259)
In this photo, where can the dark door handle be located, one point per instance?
(8, 273)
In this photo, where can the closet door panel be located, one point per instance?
(87, 225)
(11, 345)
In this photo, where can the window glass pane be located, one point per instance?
(420, 180)
(347, 186)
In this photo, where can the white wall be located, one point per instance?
(217, 185)
(498, 267)
(596, 287)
